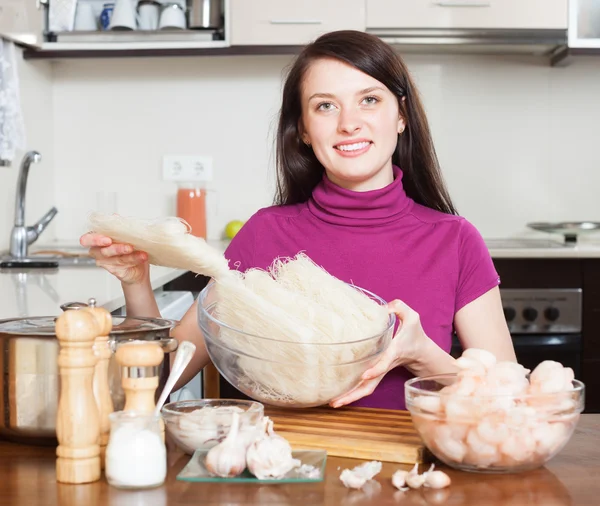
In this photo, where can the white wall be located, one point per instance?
(35, 80)
(517, 139)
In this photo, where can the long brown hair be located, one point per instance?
(299, 170)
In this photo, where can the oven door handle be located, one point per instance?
(567, 342)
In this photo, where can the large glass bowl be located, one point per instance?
(276, 371)
(201, 424)
(492, 433)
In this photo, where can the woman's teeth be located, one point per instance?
(353, 147)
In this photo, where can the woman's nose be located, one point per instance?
(349, 121)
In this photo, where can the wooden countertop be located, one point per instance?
(27, 478)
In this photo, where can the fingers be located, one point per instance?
(403, 312)
(383, 365)
(115, 249)
(92, 239)
(363, 389)
(120, 260)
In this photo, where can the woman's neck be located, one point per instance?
(382, 178)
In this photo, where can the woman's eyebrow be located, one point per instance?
(331, 95)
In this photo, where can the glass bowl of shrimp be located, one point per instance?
(496, 417)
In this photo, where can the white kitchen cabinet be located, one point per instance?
(22, 21)
(277, 22)
(467, 14)
(584, 24)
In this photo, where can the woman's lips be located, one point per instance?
(351, 149)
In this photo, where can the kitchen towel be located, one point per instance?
(12, 126)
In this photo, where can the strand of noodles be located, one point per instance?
(303, 275)
(303, 304)
(167, 241)
(267, 364)
(311, 379)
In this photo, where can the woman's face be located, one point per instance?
(352, 122)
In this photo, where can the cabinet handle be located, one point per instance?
(295, 22)
(463, 3)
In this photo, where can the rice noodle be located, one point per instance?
(314, 325)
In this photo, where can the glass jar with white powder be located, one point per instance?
(136, 456)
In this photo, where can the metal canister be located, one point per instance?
(206, 14)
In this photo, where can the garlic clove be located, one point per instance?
(414, 479)
(360, 475)
(351, 479)
(437, 479)
(228, 458)
(399, 479)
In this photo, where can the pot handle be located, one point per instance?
(78, 305)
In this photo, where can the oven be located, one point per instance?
(545, 324)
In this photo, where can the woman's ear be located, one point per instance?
(302, 134)
(401, 124)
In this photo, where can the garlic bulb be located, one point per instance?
(228, 458)
(270, 456)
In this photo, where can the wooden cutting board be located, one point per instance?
(362, 433)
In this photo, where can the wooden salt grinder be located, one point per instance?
(101, 388)
(77, 421)
(139, 361)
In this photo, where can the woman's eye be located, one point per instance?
(371, 100)
(325, 106)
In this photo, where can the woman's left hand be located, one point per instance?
(404, 350)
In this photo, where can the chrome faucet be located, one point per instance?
(22, 236)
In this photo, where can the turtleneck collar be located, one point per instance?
(337, 205)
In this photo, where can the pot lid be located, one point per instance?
(124, 327)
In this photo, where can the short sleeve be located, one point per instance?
(476, 272)
(241, 249)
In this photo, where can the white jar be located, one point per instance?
(136, 456)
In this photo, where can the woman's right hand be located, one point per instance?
(121, 260)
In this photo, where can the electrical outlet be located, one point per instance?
(187, 168)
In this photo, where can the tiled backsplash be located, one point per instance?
(517, 139)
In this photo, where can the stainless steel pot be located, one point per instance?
(206, 14)
(29, 378)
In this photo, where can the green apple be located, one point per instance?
(233, 227)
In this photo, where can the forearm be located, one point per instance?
(140, 300)
(188, 330)
(432, 360)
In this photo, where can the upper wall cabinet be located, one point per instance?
(277, 22)
(22, 21)
(467, 14)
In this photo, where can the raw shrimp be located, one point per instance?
(487, 358)
(479, 452)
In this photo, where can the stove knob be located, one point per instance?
(509, 314)
(551, 314)
(530, 314)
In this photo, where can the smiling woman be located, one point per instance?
(361, 193)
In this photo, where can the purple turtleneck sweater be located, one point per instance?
(383, 241)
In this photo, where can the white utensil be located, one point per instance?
(184, 354)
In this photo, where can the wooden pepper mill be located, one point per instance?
(77, 421)
(101, 388)
(140, 361)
